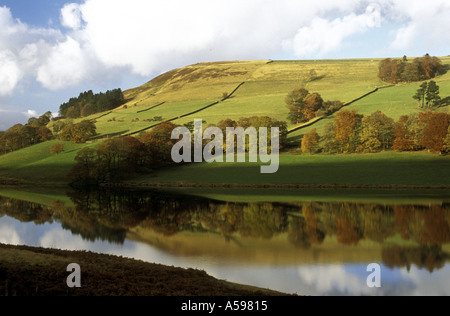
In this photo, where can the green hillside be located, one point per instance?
(258, 88)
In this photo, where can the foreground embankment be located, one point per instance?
(27, 271)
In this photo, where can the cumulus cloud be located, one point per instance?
(20, 47)
(10, 72)
(426, 25)
(66, 65)
(71, 16)
(101, 38)
(323, 36)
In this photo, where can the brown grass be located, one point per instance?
(26, 271)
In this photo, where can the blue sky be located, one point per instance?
(37, 12)
(53, 50)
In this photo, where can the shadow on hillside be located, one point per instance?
(356, 171)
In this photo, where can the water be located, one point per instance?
(312, 248)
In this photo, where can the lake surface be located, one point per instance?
(312, 248)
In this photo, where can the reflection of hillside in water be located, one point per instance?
(283, 233)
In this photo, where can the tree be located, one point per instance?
(78, 133)
(111, 162)
(402, 141)
(295, 101)
(73, 112)
(88, 110)
(312, 103)
(85, 172)
(432, 96)
(376, 133)
(159, 143)
(347, 129)
(421, 93)
(329, 138)
(390, 70)
(136, 154)
(435, 131)
(310, 142)
(56, 149)
(43, 134)
(447, 142)
(396, 70)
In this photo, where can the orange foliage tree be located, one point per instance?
(436, 130)
(347, 125)
(310, 142)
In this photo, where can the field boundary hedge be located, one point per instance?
(317, 119)
(151, 108)
(187, 114)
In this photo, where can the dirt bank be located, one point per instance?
(27, 271)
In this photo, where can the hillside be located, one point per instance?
(254, 88)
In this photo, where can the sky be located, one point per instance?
(51, 51)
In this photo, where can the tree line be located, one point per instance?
(88, 103)
(117, 158)
(402, 70)
(21, 136)
(351, 132)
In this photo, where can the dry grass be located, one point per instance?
(26, 271)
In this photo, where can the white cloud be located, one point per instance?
(32, 113)
(427, 25)
(66, 65)
(323, 36)
(71, 16)
(10, 72)
(103, 38)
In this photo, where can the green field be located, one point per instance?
(35, 164)
(266, 85)
(414, 169)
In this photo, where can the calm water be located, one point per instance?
(314, 248)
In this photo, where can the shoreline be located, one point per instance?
(32, 271)
(192, 185)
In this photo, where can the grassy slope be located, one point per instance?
(266, 85)
(416, 169)
(35, 164)
(27, 271)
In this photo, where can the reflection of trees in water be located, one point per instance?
(25, 212)
(428, 257)
(109, 215)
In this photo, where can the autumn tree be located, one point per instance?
(136, 154)
(111, 161)
(295, 101)
(347, 130)
(396, 70)
(436, 130)
(402, 141)
(376, 133)
(78, 133)
(329, 143)
(447, 142)
(159, 143)
(56, 149)
(43, 134)
(310, 142)
(390, 70)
